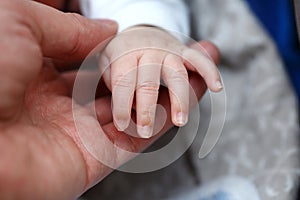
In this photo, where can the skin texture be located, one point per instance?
(140, 57)
(40, 150)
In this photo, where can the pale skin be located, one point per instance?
(41, 156)
(140, 57)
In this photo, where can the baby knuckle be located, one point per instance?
(148, 87)
(172, 56)
(181, 72)
(144, 114)
(122, 81)
(177, 79)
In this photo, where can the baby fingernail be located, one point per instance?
(145, 131)
(219, 85)
(181, 119)
(121, 124)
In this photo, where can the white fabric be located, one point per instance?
(171, 15)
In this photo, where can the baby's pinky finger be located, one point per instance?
(205, 67)
(175, 76)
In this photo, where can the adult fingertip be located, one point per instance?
(108, 23)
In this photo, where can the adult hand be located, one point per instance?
(40, 150)
(36, 154)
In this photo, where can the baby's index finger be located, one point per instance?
(197, 61)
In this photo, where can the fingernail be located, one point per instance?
(181, 119)
(219, 85)
(106, 22)
(145, 131)
(121, 124)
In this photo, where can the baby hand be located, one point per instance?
(139, 58)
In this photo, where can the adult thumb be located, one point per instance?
(67, 36)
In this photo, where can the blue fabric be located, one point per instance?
(278, 18)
